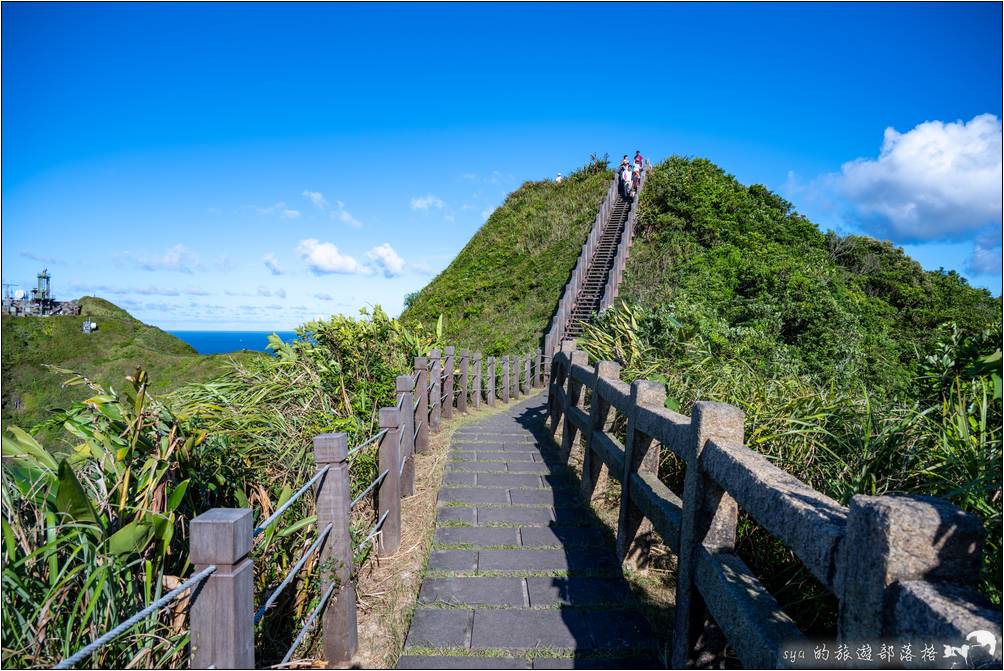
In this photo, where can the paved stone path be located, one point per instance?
(520, 575)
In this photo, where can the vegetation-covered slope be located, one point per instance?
(499, 294)
(106, 356)
(858, 372)
(762, 282)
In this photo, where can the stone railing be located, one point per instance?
(623, 248)
(903, 568)
(555, 334)
(221, 609)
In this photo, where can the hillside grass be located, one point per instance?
(107, 356)
(858, 371)
(500, 293)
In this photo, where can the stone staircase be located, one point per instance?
(587, 302)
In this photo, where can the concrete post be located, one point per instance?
(422, 411)
(600, 419)
(475, 399)
(639, 455)
(574, 395)
(407, 417)
(332, 498)
(505, 379)
(709, 518)
(435, 391)
(527, 379)
(222, 608)
(490, 386)
(448, 370)
(389, 491)
(901, 538)
(514, 376)
(462, 392)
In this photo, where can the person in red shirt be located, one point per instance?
(638, 160)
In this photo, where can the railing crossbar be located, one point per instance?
(366, 442)
(284, 507)
(369, 489)
(306, 625)
(260, 613)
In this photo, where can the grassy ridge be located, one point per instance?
(500, 292)
(120, 345)
(858, 372)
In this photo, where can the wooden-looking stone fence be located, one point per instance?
(901, 567)
(556, 333)
(222, 613)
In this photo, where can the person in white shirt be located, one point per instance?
(559, 179)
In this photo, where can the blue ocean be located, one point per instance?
(223, 342)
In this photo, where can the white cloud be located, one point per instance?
(264, 293)
(324, 257)
(317, 198)
(426, 202)
(937, 181)
(280, 293)
(323, 297)
(344, 216)
(281, 209)
(386, 259)
(987, 257)
(272, 263)
(485, 213)
(177, 258)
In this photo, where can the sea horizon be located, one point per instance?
(229, 341)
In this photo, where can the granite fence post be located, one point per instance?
(476, 385)
(435, 391)
(389, 490)
(505, 379)
(449, 367)
(422, 411)
(222, 607)
(600, 418)
(407, 437)
(639, 455)
(464, 371)
(490, 387)
(709, 518)
(332, 497)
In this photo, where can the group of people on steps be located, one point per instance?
(629, 175)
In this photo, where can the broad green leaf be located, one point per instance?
(174, 500)
(71, 500)
(131, 538)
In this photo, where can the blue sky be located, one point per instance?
(253, 166)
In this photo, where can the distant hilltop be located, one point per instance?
(39, 303)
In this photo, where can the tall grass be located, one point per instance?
(94, 534)
(841, 443)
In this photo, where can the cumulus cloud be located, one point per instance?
(386, 259)
(177, 258)
(317, 198)
(344, 216)
(280, 293)
(937, 181)
(485, 213)
(426, 203)
(280, 209)
(323, 297)
(272, 263)
(323, 258)
(264, 293)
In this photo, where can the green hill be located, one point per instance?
(500, 293)
(764, 285)
(120, 344)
